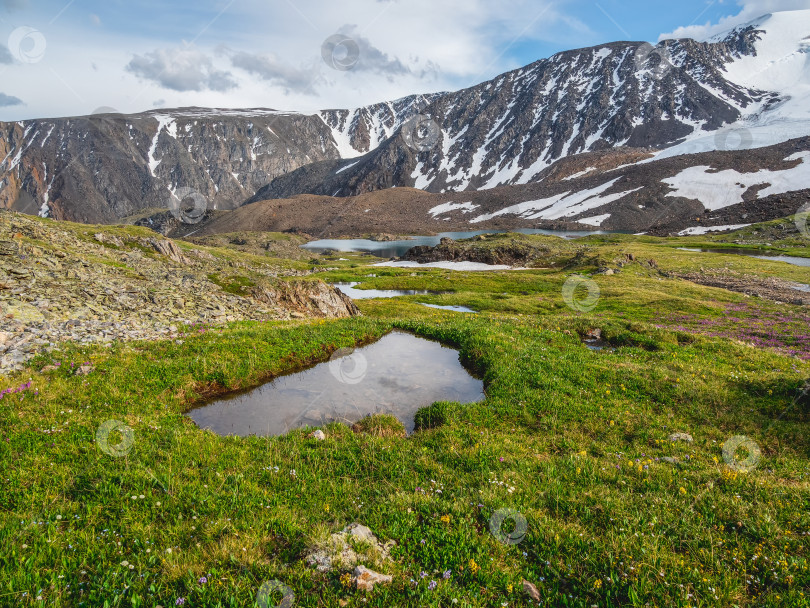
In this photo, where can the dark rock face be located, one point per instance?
(102, 168)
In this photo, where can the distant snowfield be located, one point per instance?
(719, 189)
(781, 65)
(698, 230)
(460, 266)
(565, 204)
(450, 206)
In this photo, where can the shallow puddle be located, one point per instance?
(453, 308)
(364, 294)
(597, 345)
(398, 374)
(755, 253)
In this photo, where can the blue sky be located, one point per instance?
(64, 57)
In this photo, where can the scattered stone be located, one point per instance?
(347, 548)
(75, 289)
(681, 437)
(593, 334)
(531, 590)
(48, 368)
(319, 435)
(670, 459)
(365, 579)
(84, 370)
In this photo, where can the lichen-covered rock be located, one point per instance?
(681, 437)
(346, 549)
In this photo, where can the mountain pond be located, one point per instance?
(398, 374)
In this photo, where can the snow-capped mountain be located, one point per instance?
(548, 131)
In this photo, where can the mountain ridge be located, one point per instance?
(680, 97)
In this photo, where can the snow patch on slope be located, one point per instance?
(450, 206)
(698, 230)
(719, 189)
(565, 204)
(164, 122)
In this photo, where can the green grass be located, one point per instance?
(237, 285)
(572, 439)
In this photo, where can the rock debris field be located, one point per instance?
(61, 281)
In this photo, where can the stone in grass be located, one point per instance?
(670, 459)
(531, 590)
(380, 425)
(346, 549)
(365, 579)
(319, 435)
(681, 437)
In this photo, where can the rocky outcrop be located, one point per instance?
(448, 250)
(309, 298)
(67, 282)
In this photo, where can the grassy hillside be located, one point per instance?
(575, 441)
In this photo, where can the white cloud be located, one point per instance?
(9, 100)
(251, 56)
(181, 69)
(750, 10)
